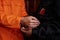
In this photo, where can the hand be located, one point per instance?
(30, 21)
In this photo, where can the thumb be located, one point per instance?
(23, 30)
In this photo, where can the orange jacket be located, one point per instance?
(11, 12)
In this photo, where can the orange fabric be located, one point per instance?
(11, 12)
(10, 34)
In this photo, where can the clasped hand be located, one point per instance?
(29, 23)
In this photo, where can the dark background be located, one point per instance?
(31, 5)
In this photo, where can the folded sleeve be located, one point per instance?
(9, 19)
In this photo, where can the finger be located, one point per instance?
(33, 18)
(34, 24)
(34, 21)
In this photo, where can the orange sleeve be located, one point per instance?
(11, 20)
